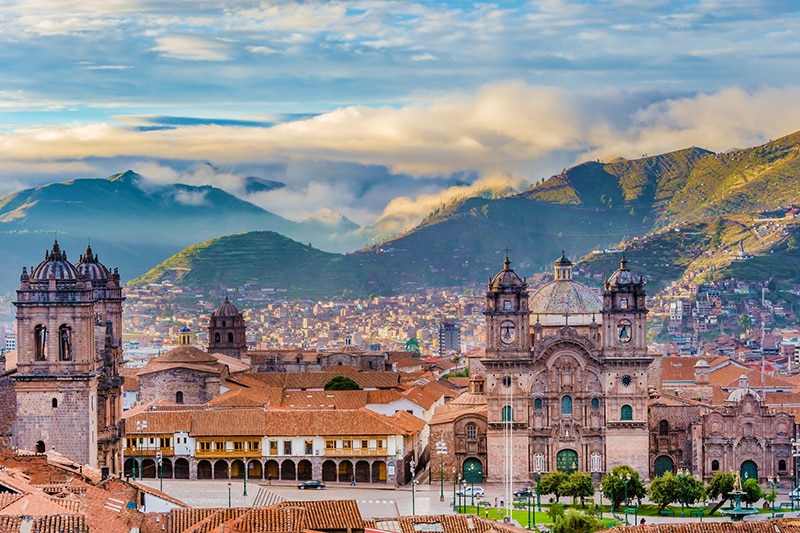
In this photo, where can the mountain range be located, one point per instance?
(672, 212)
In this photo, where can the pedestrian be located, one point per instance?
(495, 501)
(353, 481)
(642, 521)
(502, 502)
(269, 479)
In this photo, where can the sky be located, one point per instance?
(382, 110)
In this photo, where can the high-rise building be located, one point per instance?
(68, 387)
(449, 338)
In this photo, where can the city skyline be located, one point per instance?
(373, 108)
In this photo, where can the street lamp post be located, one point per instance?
(244, 492)
(141, 425)
(538, 492)
(441, 450)
(413, 489)
(472, 474)
(463, 499)
(135, 464)
(455, 484)
(796, 457)
(773, 483)
(229, 494)
(681, 475)
(625, 480)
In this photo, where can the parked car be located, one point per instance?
(471, 491)
(524, 493)
(311, 484)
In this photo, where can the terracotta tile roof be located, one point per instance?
(227, 422)
(421, 397)
(242, 397)
(160, 421)
(45, 524)
(331, 423)
(728, 377)
(780, 525)
(407, 421)
(7, 498)
(448, 413)
(234, 364)
(355, 399)
(383, 396)
(449, 524)
(680, 368)
(317, 380)
(328, 514)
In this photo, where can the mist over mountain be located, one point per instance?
(592, 206)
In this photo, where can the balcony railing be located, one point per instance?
(227, 453)
(355, 452)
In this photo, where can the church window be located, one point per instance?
(223, 324)
(537, 403)
(179, 397)
(623, 304)
(64, 343)
(40, 342)
(663, 428)
(566, 405)
(230, 337)
(782, 465)
(40, 446)
(714, 465)
(626, 413)
(595, 403)
(507, 305)
(507, 415)
(472, 431)
(55, 403)
(216, 337)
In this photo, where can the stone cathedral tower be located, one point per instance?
(227, 332)
(69, 330)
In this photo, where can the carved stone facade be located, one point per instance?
(567, 375)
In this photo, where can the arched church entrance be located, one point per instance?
(748, 470)
(567, 461)
(663, 463)
(473, 470)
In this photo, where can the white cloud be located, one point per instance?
(193, 48)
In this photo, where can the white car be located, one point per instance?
(471, 491)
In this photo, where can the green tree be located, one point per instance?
(556, 511)
(746, 321)
(614, 483)
(577, 522)
(690, 489)
(721, 485)
(752, 491)
(579, 485)
(664, 490)
(341, 383)
(554, 483)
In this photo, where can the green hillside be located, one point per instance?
(680, 215)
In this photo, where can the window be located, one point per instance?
(219, 446)
(714, 465)
(506, 305)
(230, 337)
(566, 405)
(537, 403)
(595, 403)
(782, 465)
(507, 415)
(204, 446)
(40, 343)
(273, 447)
(364, 444)
(626, 413)
(663, 428)
(309, 445)
(179, 397)
(472, 431)
(238, 446)
(165, 442)
(255, 445)
(216, 337)
(287, 447)
(55, 403)
(347, 444)
(64, 343)
(381, 444)
(330, 444)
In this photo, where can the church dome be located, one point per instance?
(89, 266)
(506, 279)
(622, 276)
(54, 266)
(226, 308)
(743, 390)
(564, 295)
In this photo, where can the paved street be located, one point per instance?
(372, 502)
